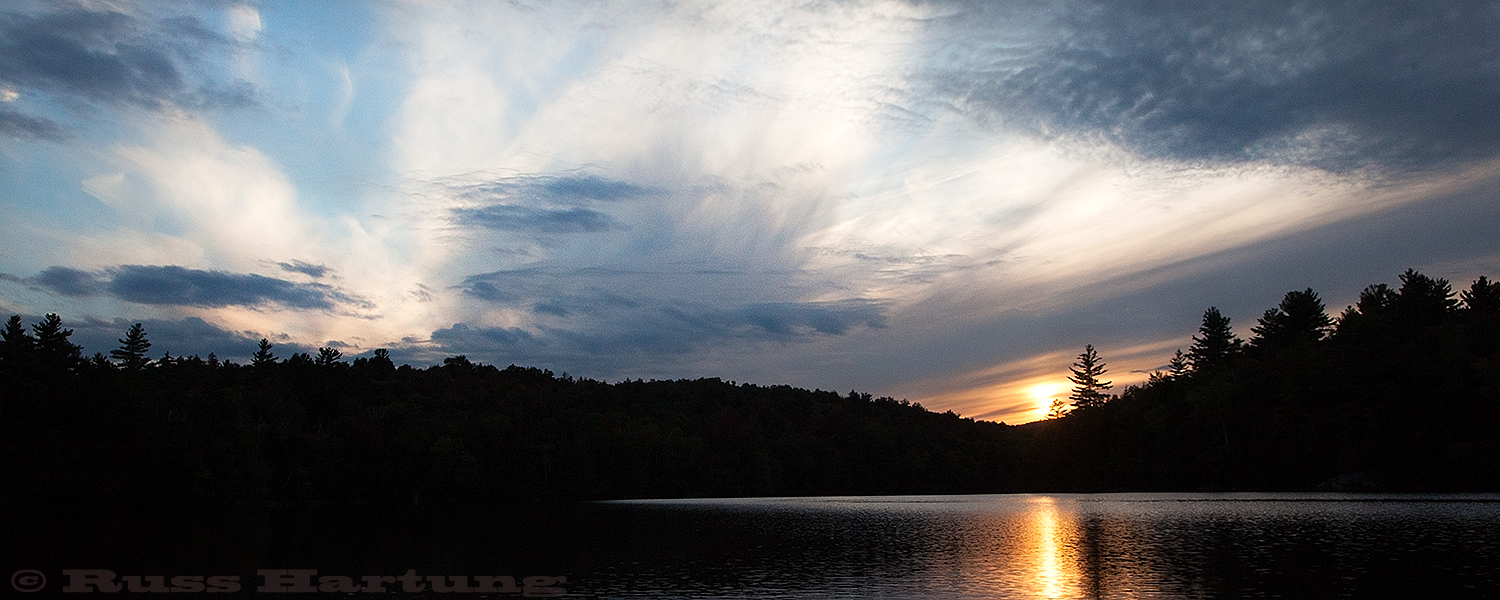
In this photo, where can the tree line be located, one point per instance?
(319, 428)
(1399, 392)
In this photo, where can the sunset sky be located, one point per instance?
(939, 201)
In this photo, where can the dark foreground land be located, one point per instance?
(1398, 393)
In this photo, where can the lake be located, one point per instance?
(918, 547)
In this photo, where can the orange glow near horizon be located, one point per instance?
(1020, 391)
(1043, 393)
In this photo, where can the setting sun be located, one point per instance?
(1044, 392)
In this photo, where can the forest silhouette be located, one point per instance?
(1400, 392)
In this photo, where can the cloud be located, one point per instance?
(538, 220)
(68, 282)
(304, 268)
(784, 321)
(479, 339)
(487, 291)
(178, 286)
(218, 203)
(19, 125)
(181, 337)
(1338, 86)
(540, 203)
(675, 328)
(591, 339)
(596, 289)
(244, 22)
(588, 187)
(100, 56)
(192, 287)
(569, 189)
(550, 308)
(110, 58)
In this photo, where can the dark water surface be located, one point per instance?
(1002, 546)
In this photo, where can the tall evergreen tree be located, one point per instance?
(132, 350)
(1375, 298)
(1179, 365)
(381, 360)
(327, 356)
(52, 345)
(263, 355)
(1177, 368)
(1217, 344)
(1300, 318)
(1483, 296)
(16, 346)
(1087, 378)
(1422, 300)
(298, 359)
(1369, 318)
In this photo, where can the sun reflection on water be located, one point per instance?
(1051, 579)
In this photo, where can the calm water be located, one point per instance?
(1004, 546)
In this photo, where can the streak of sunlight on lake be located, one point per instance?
(918, 547)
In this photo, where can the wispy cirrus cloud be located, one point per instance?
(1332, 85)
(17, 124)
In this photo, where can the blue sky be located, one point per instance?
(941, 201)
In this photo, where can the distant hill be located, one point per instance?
(298, 432)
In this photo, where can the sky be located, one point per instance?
(941, 201)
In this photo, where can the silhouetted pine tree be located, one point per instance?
(1375, 298)
(16, 346)
(1482, 297)
(263, 355)
(1217, 343)
(1088, 385)
(53, 349)
(132, 350)
(1423, 301)
(1300, 318)
(380, 360)
(327, 357)
(1179, 365)
(1369, 319)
